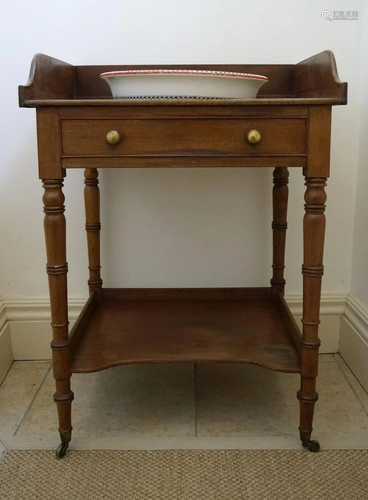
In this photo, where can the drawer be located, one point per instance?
(184, 137)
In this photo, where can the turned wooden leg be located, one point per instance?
(280, 195)
(314, 233)
(93, 228)
(57, 269)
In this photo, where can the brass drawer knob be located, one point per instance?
(113, 137)
(253, 136)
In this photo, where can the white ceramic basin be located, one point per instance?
(183, 84)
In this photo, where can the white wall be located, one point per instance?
(359, 284)
(175, 227)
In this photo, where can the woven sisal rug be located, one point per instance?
(185, 475)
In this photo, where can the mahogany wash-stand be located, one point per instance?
(80, 126)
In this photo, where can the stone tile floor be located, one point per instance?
(182, 406)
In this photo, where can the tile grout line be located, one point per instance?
(195, 400)
(3, 455)
(7, 373)
(351, 371)
(350, 385)
(5, 452)
(33, 400)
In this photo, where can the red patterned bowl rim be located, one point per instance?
(184, 72)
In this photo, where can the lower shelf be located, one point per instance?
(244, 325)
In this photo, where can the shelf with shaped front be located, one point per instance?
(287, 126)
(244, 325)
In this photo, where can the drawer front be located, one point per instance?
(184, 137)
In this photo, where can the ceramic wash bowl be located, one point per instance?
(171, 83)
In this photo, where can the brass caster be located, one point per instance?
(312, 446)
(61, 450)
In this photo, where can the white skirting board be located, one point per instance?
(353, 345)
(25, 331)
(31, 339)
(6, 350)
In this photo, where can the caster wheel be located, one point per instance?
(61, 450)
(312, 446)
